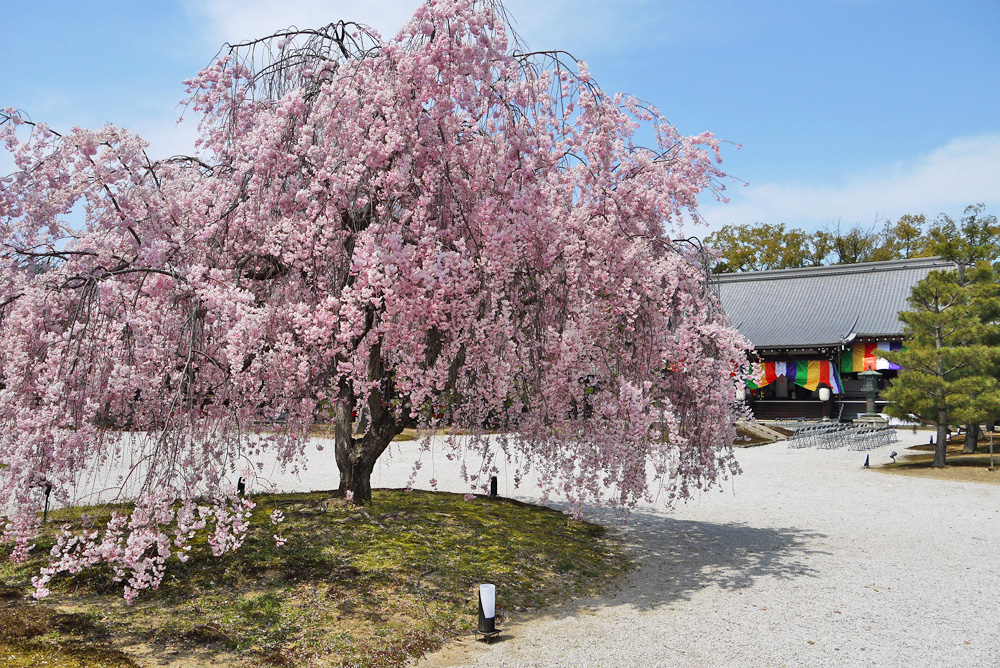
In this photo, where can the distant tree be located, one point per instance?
(856, 245)
(821, 243)
(906, 238)
(763, 246)
(947, 368)
(974, 237)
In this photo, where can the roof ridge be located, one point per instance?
(835, 269)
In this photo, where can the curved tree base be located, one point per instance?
(356, 456)
(356, 482)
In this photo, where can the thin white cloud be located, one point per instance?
(964, 171)
(585, 28)
(237, 20)
(588, 28)
(167, 137)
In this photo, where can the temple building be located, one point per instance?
(816, 328)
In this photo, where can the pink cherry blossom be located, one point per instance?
(428, 230)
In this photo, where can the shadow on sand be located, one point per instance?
(677, 558)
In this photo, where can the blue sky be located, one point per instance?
(847, 110)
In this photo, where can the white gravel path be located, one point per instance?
(806, 559)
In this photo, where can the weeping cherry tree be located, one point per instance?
(442, 228)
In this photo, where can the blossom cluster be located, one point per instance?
(137, 546)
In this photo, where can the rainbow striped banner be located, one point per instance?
(806, 373)
(862, 357)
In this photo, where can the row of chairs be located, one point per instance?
(795, 424)
(873, 437)
(829, 435)
(815, 434)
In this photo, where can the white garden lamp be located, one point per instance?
(487, 612)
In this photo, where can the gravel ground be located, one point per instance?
(806, 559)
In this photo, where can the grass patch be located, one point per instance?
(916, 461)
(36, 635)
(372, 587)
(33, 655)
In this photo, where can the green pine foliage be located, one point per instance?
(949, 373)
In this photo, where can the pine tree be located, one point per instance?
(947, 369)
(971, 240)
(985, 303)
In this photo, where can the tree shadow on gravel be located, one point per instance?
(676, 558)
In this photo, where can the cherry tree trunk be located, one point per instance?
(355, 475)
(356, 455)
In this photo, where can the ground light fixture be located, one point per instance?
(48, 490)
(488, 612)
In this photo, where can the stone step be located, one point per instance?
(763, 431)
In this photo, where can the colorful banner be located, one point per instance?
(862, 357)
(806, 373)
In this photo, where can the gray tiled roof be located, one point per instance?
(820, 306)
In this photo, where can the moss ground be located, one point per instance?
(916, 461)
(376, 587)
